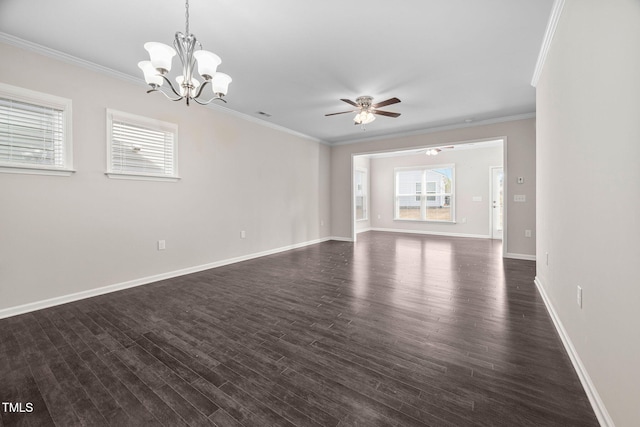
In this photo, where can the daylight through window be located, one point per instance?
(141, 148)
(425, 193)
(34, 132)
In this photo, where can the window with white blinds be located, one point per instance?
(34, 132)
(140, 147)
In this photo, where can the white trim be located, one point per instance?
(366, 193)
(139, 81)
(29, 96)
(341, 239)
(525, 257)
(146, 123)
(65, 57)
(556, 11)
(363, 230)
(36, 171)
(423, 209)
(437, 129)
(491, 200)
(434, 233)
(505, 189)
(136, 177)
(39, 305)
(590, 389)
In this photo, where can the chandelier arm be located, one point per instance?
(172, 88)
(202, 86)
(156, 89)
(215, 98)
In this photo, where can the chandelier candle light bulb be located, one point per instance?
(189, 88)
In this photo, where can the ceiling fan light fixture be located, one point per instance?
(364, 117)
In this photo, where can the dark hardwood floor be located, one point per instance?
(395, 330)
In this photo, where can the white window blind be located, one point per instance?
(141, 147)
(33, 131)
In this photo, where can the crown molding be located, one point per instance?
(73, 60)
(65, 57)
(556, 11)
(439, 129)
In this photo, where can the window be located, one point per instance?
(425, 193)
(35, 132)
(141, 148)
(360, 182)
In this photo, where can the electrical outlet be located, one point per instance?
(321, 223)
(243, 234)
(161, 245)
(464, 219)
(379, 216)
(527, 233)
(579, 297)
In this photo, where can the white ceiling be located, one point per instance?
(447, 60)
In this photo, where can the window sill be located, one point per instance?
(30, 170)
(362, 219)
(139, 177)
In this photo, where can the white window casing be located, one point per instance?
(35, 132)
(361, 194)
(141, 148)
(425, 193)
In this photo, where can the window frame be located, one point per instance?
(365, 191)
(425, 193)
(28, 96)
(149, 123)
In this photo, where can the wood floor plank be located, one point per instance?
(395, 330)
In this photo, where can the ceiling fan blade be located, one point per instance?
(385, 113)
(350, 102)
(385, 103)
(341, 112)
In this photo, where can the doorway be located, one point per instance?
(497, 203)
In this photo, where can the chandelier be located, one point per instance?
(187, 86)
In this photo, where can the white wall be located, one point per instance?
(520, 145)
(472, 178)
(63, 235)
(588, 157)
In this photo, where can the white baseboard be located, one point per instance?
(38, 305)
(434, 233)
(362, 230)
(520, 256)
(341, 239)
(594, 398)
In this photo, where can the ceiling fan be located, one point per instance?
(366, 109)
(434, 151)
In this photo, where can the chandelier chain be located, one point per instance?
(186, 15)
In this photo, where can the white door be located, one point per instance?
(497, 202)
